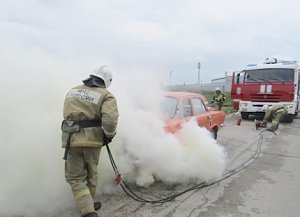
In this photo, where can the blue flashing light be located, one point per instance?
(251, 65)
(289, 62)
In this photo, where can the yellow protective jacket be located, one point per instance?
(219, 97)
(90, 103)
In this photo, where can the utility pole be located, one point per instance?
(199, 66)
(170, 78)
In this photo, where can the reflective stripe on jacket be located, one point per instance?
(277, 107)
(90, 103)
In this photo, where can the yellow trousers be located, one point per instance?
(81, 174)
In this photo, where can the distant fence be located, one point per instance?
(224, 86)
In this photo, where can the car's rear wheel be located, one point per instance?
(214, 133)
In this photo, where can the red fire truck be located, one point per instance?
(273, 82)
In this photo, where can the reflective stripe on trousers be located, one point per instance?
(79, 194)
(84, 201)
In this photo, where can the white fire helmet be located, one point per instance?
(218, 89)
(104, 73)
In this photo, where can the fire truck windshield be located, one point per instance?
(269, 75)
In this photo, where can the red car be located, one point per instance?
(180, 107)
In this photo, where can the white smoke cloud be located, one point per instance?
(145, 152)
(32, 169)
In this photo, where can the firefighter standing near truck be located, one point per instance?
(90, 121)
(218, 99)
(275, 114)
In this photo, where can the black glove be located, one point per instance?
(107, 140)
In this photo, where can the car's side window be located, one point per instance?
(199, 108)
(186, 108)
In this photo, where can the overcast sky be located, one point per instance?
(152, 36)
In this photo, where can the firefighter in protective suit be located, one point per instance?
(275, 114)
(218, 98)
(90, 120)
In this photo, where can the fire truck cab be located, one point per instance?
(272, 82)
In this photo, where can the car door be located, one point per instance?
(203, 117)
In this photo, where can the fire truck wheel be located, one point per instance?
(245, 115)
(289, 118)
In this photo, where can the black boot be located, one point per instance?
(91, 214)
(97, 206)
